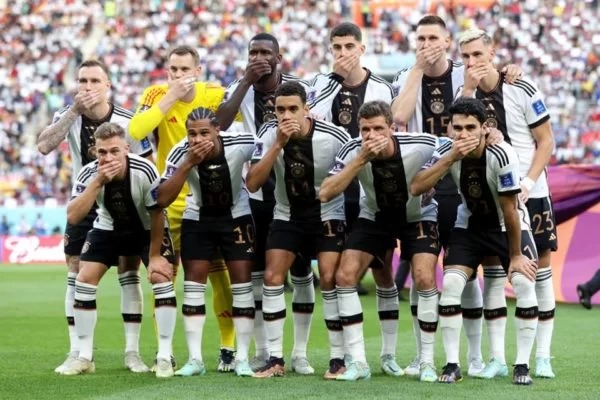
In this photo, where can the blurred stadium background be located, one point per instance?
(557, 43)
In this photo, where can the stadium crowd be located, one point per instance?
(555, 42)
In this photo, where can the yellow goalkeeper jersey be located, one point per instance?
(169, 128)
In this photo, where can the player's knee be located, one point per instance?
(424, 279)
(273, 277)
(345, 277)
(327, 277)
(454, 284)
(523, 287)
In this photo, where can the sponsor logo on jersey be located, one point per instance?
(337, 167)
(507, 180)
(79, 189)
(539, 107)
(154, 194)
(171, 171)
(145, 144)
(258, 150)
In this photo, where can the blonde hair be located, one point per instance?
(108, 130)
(474, 34)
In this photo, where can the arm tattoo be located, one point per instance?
(53, 135)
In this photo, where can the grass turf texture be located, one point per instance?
(33, 341)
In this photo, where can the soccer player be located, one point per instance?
(253, 97)
(385, 164)
(301, 150)
(339, 96)
(587, 290)
(491, 221)
(519, 112)
(77, 124)
(129, 224)
(424, 94)
(163, 111)
(216, 217)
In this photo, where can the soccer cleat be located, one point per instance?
(476, 367)
(173, 364)
(337, 367)
(275, 367)
(427, 373)
(585, 296)
(79, 366)
(493, 369)
(450, 374)
(242, 368)
(257, 364)
(72, 356)
(192, 368)
(226, 361)
(134, 363)
(414, 368)
(356, 370)
(300, 365)
(164, 368)
(543, 369)
(521, 375)
(389, 366)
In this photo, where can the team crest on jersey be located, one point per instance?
(491, 123)
(507, 180)
(79, 189)
(171, 171)
(390, 186)
(345, 117)
(539, 107)
(437, 107)
(258, 150)
(474, 190)
(297, 170)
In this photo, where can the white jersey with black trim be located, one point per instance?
(216, 185)
(434, 97)
(386, 183)
(481, 182)
(300, 169)
(119, 115)
(515, 109)
(141, 192)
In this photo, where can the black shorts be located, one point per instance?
(105, 247)
(468, 248)
(75, 235)
(375, 239)
(307, 239)
(262, 213)
(234, 238)
(447, 209)
(351, 210)
(543, 224)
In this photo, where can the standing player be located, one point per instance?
(254, 97)
(163, 111)
(78, 123)
(339, 96)
(129, 224)
(519, 112)
(216, 218)
(385, 164)
(491, 221)
(301, 150)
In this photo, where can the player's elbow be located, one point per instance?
(252, 185)
(325, 193)
(163, 199)
(43, 148)
(135, 130)
(73, 217)
(417, 187)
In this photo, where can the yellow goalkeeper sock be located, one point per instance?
(222, 302)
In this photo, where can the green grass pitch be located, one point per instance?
(33, 341)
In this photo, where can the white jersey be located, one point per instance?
(386, 183)
(80, 136)
(481, 181)
(217, 188)
(515, 109)
(123, 206)
(300, 169)
(338, 103)
(434, 98)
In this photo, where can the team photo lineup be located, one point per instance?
(241, 187)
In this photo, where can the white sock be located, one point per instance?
(351, 317)
(274, 317)
(333, 323)
(494, 310)
(472, 313)
(165, 313)
(69, 299)
(451, 314)
(427, 315)
(243, 317)
(414, 301)
(85, 313)
(303, 304)
(260, 336)
(387, 307)
(544, 288)
(526, 314)
(132, 306)
(194, 316)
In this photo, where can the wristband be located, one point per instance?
(528, 183)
